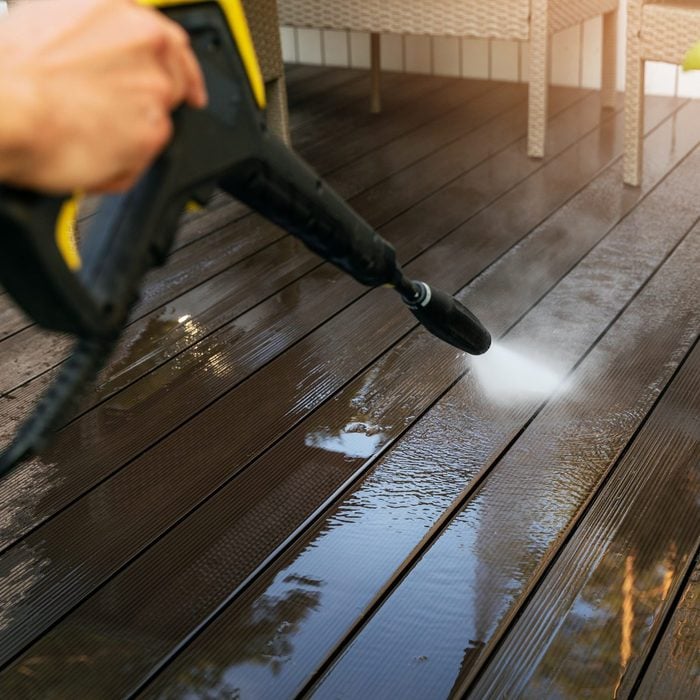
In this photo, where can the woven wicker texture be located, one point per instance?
(656, 31)
(669, 30)
(264, 26)
(609, 60)
(506, 19)
(566, 13)
(539, 69)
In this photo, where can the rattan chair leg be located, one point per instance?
(634, 97)
(277, 113)
(539, 79)
(634, 121)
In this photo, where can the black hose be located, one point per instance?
(56, 405)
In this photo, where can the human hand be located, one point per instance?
(87, 88)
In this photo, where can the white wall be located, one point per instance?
(576, 54)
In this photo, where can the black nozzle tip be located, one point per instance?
(449, 320)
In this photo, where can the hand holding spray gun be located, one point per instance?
(89, 291)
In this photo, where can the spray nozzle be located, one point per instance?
(446, 317)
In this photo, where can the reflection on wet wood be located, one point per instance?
(278, 477)
(592, 622)
(468, 581)
(674, 671)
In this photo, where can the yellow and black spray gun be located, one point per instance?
(89, 292)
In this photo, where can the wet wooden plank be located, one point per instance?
(12, 320)
(288, 454)
(352, 103)
(318, 83)
(295, 72)
(588, 628)
(378, 526)
(674, 671)
(193, 229)
(367, 131)
(490, 553)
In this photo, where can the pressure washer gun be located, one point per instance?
(88, 292)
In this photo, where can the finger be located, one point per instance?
(183, 69)
(171, 64)
(196, 94)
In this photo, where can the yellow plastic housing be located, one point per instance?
(235, 16)
(66, 233)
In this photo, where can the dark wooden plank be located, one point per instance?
(12, 320)
(288, 454)
(588, 628)
(473, 575)
(353, 100)
(322, 145)
(295, 72)
(319, 82)
(674, 671)
(465, 433)
(32, 351)
(195, 227)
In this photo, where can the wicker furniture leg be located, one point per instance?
(609, 63)
(277, 112)
(634, 97)
(539, 78)
(264, 26)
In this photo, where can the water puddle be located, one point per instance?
(357, 439)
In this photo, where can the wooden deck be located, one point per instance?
(282, 486)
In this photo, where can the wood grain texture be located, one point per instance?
(674, 671)
(274, 448)
(455, 443)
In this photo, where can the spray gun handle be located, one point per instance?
(36, 269)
